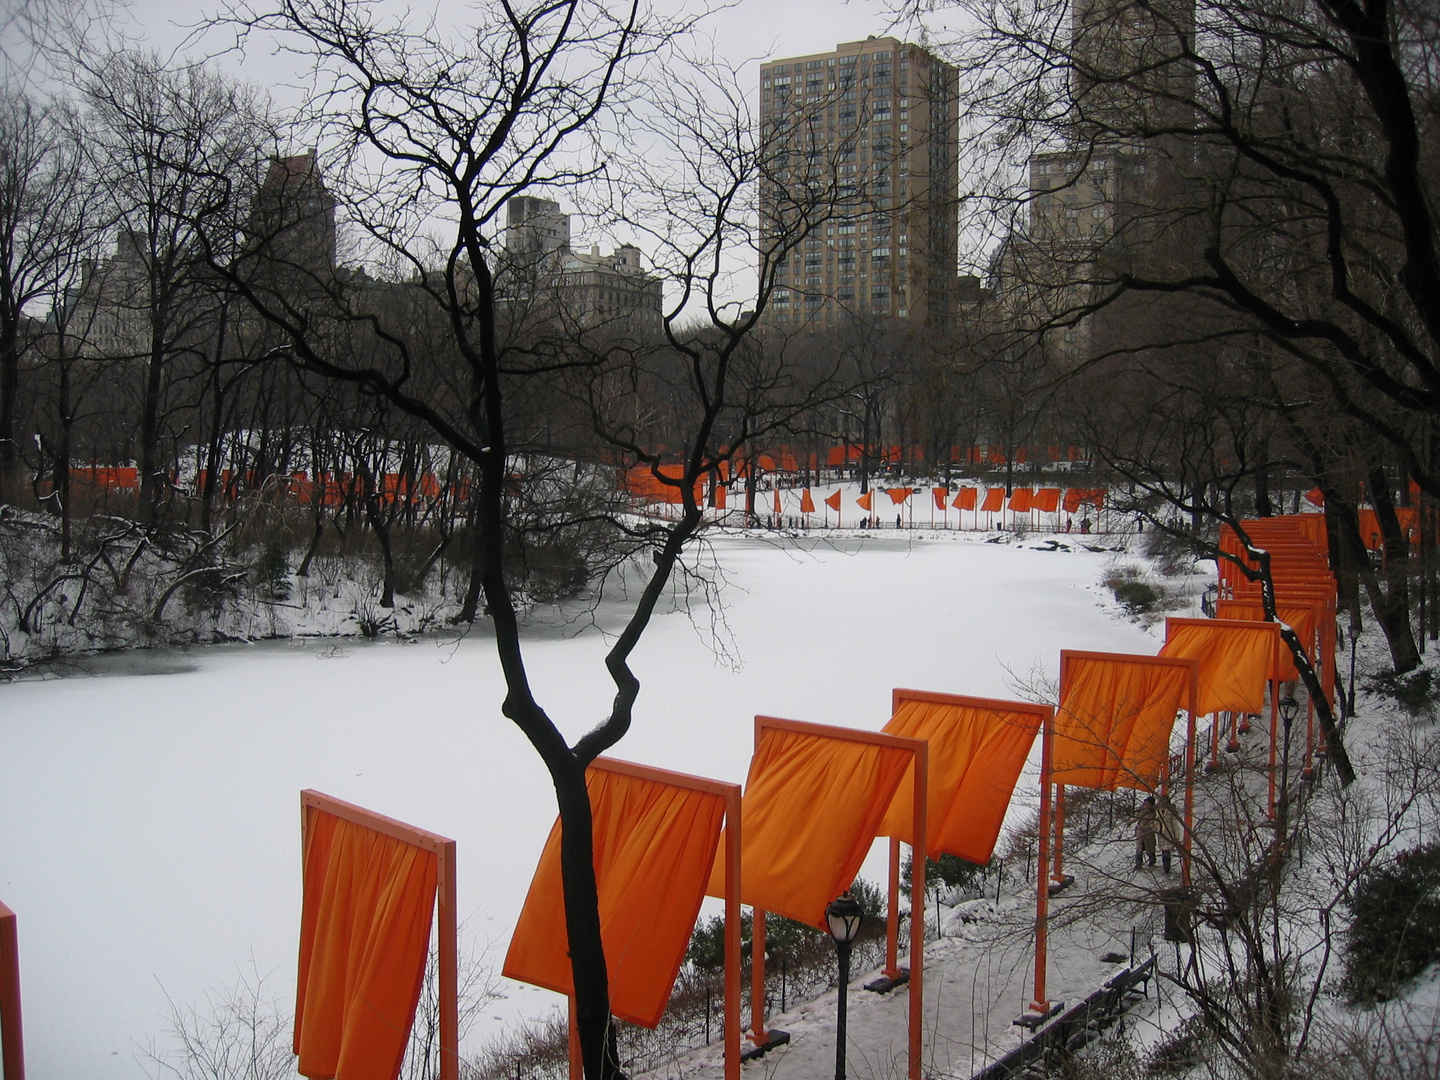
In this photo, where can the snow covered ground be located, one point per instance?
(149, 836)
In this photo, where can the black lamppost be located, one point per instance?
(843, 914)
(1289, 707)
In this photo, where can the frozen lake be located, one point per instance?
(149, 814)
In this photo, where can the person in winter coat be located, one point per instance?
(1145, 827)
(1167, 824)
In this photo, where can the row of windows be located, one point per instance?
(880, 55)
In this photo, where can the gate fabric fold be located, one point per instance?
(364, 935)
(1112, 728)
(812, 806)
(654, 845)
(1236, 660)
(975, 757)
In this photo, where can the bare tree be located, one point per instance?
(432, 132)
(42, 226)
(177, 147)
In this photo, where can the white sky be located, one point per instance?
(745, 30)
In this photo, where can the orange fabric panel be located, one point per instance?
(1046, 500)
(1370, 525)
(1302, 618)
(654, 844)
(1235, 662)
(1315, 497)
(812, 806)
(965, 498)
(994, 499)
(364, 933)
(898, 495)
(975, 757)
(807, 504)
(1020, 500)
(778, 510)
(866, 501)
(1113, 725)
(833, 501)
(940, 494)
(835, 457)
(1072, 499)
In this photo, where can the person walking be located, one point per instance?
(1167, 824)
(1145, 827)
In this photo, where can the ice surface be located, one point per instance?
(149, 826)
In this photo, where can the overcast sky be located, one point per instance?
(746, 30)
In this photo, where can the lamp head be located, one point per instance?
(843, 916)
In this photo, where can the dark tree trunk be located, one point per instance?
(9, 412)
(1392, 603)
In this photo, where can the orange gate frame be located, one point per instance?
(897, 696)
(1044, 876)
(731, 794)
(312, 802)
(12, 1034)
(915, 1003)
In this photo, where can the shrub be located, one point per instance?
(950, 871)
(1137, 596)
(271, 571)
(1395, 933)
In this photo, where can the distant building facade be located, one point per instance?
(863, 141)
(587, 289)
(1101, 204)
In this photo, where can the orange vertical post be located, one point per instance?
(916, 1001)
(892, 913)
(732, 934)
(449, 964)
(12, 1040)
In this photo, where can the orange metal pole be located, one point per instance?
(732, 935)
(892, 913)
(916, 1002)
(12, 1036)
(1215, 722)
(448, 964)
(758, 1035)
(1039, 1003)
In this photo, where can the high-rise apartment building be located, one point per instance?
(861, 156)
(1112, 195)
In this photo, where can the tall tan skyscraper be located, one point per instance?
(860, 145)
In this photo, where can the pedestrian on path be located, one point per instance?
(1168, 826)
(1145, 828)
